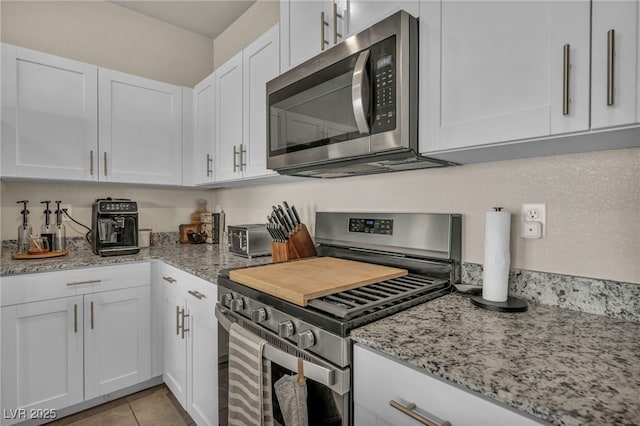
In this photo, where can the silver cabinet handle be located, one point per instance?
(184, 329)
(243, 152)
(566, 63)
(408, 410)
(336, 15)
(611, 53)
(75, 318)
(169, 279)
(177, 320)
(91, 162)
(91, 315)
(197, 294)
(84, 282)
(105, 163)
(359, 92)
(209, 162)
(323, 23)
(235, 155)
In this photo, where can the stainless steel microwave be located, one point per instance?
(352, 109)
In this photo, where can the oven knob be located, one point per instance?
(306, 339)
(258, 315)
(225, 299)
(236, 305)
(285, 329)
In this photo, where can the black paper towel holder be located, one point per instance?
(513, 304)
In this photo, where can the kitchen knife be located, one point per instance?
(295, 213)
(279, 219)
(269, 226)
(290, 226)
(290, 214)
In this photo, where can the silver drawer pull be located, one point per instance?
(84, 282)
(408, 410)
(169, 279)
(197, 294)
(611, 55)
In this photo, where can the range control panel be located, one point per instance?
(371, 226)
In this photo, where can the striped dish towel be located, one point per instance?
(250, 399)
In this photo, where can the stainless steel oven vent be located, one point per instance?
(376, 296)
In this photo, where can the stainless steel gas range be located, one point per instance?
(427, 245)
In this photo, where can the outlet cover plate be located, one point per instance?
(534, 212)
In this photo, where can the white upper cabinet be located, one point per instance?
(614, 84)
(309, 27)
(228, 125)
(140, 129)
(261, 63)
(502, 71)
(204, 134)
(364, 13)
(49, 116)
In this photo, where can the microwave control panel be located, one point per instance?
(371, 226)
(383, 66)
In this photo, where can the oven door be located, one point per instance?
(328, 386)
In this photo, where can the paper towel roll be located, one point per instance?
(495, 274)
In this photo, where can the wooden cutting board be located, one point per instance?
(302, 280)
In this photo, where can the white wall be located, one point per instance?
(108, 35)
(593, 206)
(161, 209)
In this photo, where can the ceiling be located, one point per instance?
(206, 17)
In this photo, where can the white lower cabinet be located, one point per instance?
(117, 340)
(379, 380)
(71, 336)
(191, 343)
(42, 355)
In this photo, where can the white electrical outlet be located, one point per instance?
(68, 208)
(534, 220)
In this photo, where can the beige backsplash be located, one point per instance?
(593, 206)
(592, 202)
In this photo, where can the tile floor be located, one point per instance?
(152, 407)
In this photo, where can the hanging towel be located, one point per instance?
(292, 398)
(250, 398)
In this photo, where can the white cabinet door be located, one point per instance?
(117, 327)
(434, 398)
(364, 13)
(140, 129)
(614, 47)
(42, 355)
(494, 71)
(175, 346)
(261, 63)
(49, 116)
(202, 366)
(228, 119)
(204, 103)
(302, 31)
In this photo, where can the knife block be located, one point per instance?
(299, 246)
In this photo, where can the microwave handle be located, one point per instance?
(358, 88)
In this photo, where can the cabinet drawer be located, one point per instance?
(196, 290)
(379, 380)
(50, 285)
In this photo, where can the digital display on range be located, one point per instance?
(371, 226)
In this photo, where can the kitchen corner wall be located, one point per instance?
(592, 205)
(108, 35)
(161, 209)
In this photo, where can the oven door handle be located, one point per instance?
(359, 94)
(325, 376)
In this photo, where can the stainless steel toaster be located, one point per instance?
(249, 240)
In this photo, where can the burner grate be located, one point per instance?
(350, 303)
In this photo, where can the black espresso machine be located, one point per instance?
(114, 229)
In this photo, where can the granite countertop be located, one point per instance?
(561, 366)
(202, 260)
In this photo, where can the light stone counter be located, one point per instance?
(562, 366)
